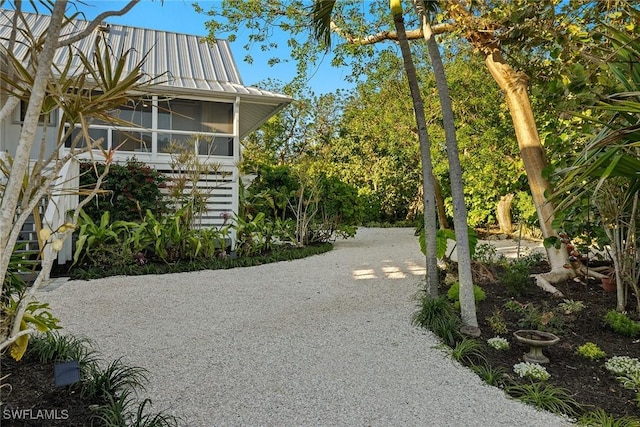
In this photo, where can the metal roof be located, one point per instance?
(188, 65)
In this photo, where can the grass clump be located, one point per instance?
(600, 418)
(621, 324)
(492, 375)
(112, 388)
(467, 351)
(440, 317)
(546, 397)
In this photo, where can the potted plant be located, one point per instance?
(609, 282)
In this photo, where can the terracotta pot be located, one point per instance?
(608, 284)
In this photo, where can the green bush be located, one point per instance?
(454, 294)
(591, 351)
(497, 323)
(131, 189)
(515, 277)
(286, 253)
(333, 207)
(542, 319)
(622, 324)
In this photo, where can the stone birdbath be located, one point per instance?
(536, 340)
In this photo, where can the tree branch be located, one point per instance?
(15, 337)
(388, 35)
(97, 21)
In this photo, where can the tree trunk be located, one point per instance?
(11, 194)
(503, 213)
(428, 194)
(442, 215)
(515, 88)
(465, 278)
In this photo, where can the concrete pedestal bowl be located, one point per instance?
(536, 340)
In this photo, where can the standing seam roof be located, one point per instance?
(188, 62)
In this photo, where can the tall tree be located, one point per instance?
(465, 277)
(515, 87)
(429, 189)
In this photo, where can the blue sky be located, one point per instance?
(179, 16)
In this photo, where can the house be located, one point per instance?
(200, 96)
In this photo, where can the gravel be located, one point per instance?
(322, 341)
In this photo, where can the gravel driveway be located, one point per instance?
(322, 341)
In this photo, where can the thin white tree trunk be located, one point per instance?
(428, 195)
(11, 195)
(465, 278)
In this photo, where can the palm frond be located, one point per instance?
(321, 20)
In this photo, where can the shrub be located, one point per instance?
(454, 294)
(131, 189)
(515, 277)
(514, 306)
(540, 319)
(284, 253)
(497, 323)
(622, 324)
(627, 371)
(570, 306)
(485, 253)
(591, 351)
(621, 365)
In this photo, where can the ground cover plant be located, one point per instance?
(104, 396)
(581, 381)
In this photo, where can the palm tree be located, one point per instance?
(322, 22)
(460, 224)
(322, 25)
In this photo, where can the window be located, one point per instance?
(216, 146)
(94, 134)
(195, 116)
(138, 114)
(208, 125)
(21, 112)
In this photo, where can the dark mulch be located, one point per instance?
(588, 381)
(33, 400)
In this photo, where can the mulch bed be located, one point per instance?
(588, 381)
(33, 400)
